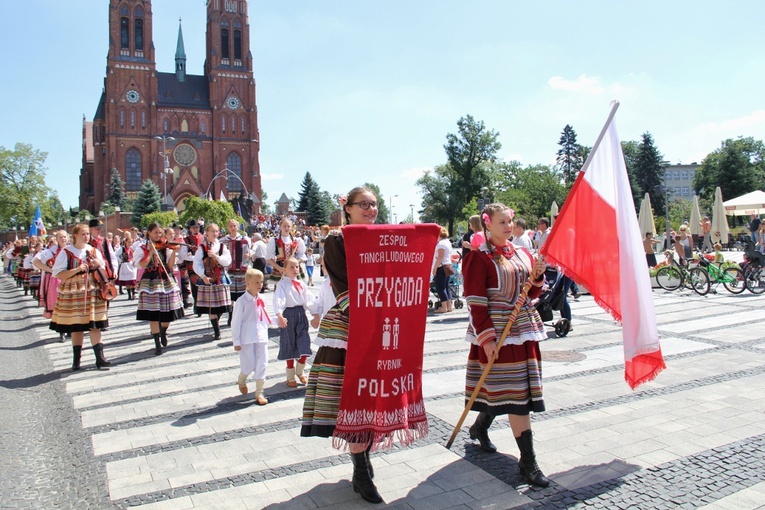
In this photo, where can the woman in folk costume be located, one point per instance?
(25, 272)
(159, 297)
(35, 275)
(282, 247)
(210, 263)
(325, 381)
(49, 285)
(126, 271)
(494, 277)
(79, 307)
(239, 247)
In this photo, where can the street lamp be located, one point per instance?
(411, 209)
(482, 204)
(106, 221)
(390, 201)
(662, 188)
(227, 172)
(166, 170)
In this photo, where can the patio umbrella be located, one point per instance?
(695, 217)
(645, 218)
(553, 212)
(719, 221)
(751, 203)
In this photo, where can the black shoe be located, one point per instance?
(369, 462)
(61, 338)
(157, 344)
(216, 329)
(101, 361)
(163, 336)
(527, 464)
(480, 431)
(76, 353)
(362, 482)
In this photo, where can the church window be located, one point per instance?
(224, 43)
(233, 125)
(143, 120)
(242, 125)
(122, 119)
(139, 35)
(133, 170)
(234, 163)
(203, 127)
(184, 126)
(167, 126)
(124, 33)
(132, 119)
(223, 123)
(237, 45)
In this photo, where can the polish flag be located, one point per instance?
(596, 241)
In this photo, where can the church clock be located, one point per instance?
(132, 96)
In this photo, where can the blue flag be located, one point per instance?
(37, 228)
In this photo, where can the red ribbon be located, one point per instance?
(298, 286)
(261, 306)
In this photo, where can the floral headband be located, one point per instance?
(487, 219)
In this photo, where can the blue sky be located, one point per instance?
(363, 90)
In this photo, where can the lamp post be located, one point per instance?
(166, 169)
(227, 172)
(390, 201)
(482, 203)
(411, 210)
(662, 188)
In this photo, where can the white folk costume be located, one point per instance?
(249, 331)
(291, 300)
(127, 275)
(211, 260)
(25, 270)
(281, 248)
(159, 297)
(49, 284)
(79, 306)
(239, 247)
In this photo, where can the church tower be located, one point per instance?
(228, 67)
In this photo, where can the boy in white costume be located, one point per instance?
(249, 332)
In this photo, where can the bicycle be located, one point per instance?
(754, 278)
(674, 276)
(732, 278)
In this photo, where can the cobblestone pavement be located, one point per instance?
(173, 431)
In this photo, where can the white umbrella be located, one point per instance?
(751, 203)
(695, 217)
(645, 218)
(553, 212)
(719, 221)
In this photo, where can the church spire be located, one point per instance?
(180, 55)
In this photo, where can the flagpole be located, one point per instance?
(510, 320)
(614, 107)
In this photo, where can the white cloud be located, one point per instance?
(416, 172)
(735, 126)
(271, 177)
(584, 83)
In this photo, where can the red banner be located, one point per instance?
(388, 283)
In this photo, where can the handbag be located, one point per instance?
(448, 269)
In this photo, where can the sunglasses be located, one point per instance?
(364, 204)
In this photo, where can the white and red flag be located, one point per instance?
(596, 241)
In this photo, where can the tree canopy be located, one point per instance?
(148, 201)
(212, 211)
(737, 167)
(649, 173)
(570, 155)
(22, 186)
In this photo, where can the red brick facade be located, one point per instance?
(212, 118)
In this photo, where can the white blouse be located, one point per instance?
(249, 323)
(299, 249)
(224, 259)
(291, 293)
(61, 262)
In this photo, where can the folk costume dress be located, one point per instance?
(239, 247)
(325, 381)
(186, 254)
(159, 297)
(291, 299)
(126, 272)
(281, 248)
(492, 285)
(79, 306)
(213, 299)
(49, 284)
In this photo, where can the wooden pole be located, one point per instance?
(510, 321)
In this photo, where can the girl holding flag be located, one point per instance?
(494, 275)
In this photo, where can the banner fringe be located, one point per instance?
(381, 440)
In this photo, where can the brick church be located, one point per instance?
(206, 124)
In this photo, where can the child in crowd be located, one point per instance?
(719, 259)
(291, 299)
(249, 332)
(310, 261)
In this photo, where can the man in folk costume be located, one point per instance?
(282, 247)
(239, 247)
(193, 239)
(104, 247)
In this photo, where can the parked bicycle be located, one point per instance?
(675, 275)
(732, 278)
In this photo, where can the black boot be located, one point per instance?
(228, 321)
(101, 361)
(157, 344)
(480, 431)
(362, 482)
(163, 336)
(216, 329)
(121, 293)
(528, 461)
(76, 353)
(61, 337)
(369, 462)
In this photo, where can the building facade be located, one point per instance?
(679, 180)
(190, 134)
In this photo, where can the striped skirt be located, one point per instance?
(159, 300)
(514, 384)
(212, 299)
(294, 340)
(78, 307)
(322, 394)
(238, 285)
(48, 294)
(34, 280)
(24, 275)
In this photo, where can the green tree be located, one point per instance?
(148, 201)
(529, 191)
(438, 204)
(569, 160)
(630, 150)
(117, 196)
(22, 186)
(383, 214)
(164, 219)
(317, 213)
(212, 211)
(308, 191)
(737, 167)
(649, 172)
